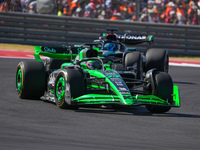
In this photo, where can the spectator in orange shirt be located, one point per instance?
(180, 14)
(66, 10)
(116, 16)
(170, 12)
(73, 6)
(192, 13)
(169, 7)
(4, 6)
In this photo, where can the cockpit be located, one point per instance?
(111, 47)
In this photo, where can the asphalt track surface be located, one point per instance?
(35, 124)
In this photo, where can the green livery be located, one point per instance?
(76, 76)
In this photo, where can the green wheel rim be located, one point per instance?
(60, 88)
(19, 80)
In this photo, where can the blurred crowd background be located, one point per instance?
(154, 11)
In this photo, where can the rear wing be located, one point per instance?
(128, 39)
(65, 52)
(135, 39)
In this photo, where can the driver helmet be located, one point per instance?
(93, 65)
(109, 46)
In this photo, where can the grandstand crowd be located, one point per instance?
(154, 11)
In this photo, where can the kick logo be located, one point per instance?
(50, 50)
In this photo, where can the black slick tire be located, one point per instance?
(157, 58)
(164, 90)
(118, 67)
(134, 58)
(33, 79)
(73, 86)
(55, 64)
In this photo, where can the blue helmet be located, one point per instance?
(109, 46)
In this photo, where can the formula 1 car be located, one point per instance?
(77, 76)
(114, 46)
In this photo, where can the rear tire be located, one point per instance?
(69, 84)
(134, 58)
(157, 58)
(118, 67)
(55, 64)
(30, 79)
(164, 90)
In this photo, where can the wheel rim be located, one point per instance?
(19, 80)
(60, 88)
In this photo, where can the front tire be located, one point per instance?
(164, 90)
(69, 84)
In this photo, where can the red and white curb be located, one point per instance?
(29, 55)
(184, 63)
(17, 54)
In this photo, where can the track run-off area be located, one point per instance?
(24, 54)
(36, 124)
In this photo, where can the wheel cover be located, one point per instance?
(60, 88)
(19, 80)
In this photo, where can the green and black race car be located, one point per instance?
(114, 46)
(77, 76)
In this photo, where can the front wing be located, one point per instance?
(134, 100)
